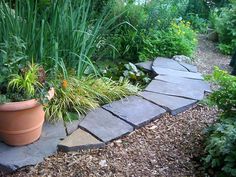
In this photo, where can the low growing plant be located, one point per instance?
(28, 83)
(81, 95)
(126, 71)
(221, 137)
(220, 148)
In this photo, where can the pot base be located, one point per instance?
(22, 127)
(23, 138)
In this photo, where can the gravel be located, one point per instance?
(170, 146)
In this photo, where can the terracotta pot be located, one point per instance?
(21, 122)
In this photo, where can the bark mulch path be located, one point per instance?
(207, 56)
(170, 146)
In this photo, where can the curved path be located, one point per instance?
(177, 87)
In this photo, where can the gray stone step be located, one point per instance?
(199, 84)
(171, 72)
(189, 67)
(12, 158)
(173, 104)
(79, 140)
(174, 89)
(135, 110)
(72, 126)
(147, 65)
(168, 63)
(104, 125)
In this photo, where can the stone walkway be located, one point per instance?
(177, 87)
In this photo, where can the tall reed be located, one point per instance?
(61, 35)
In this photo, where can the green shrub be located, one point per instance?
(179, 39)
(124, 41)
(221, 138)
(225, 25)
(225, 48)
(199, 7)
(225, 97)
(221, 148)
(197, 23)
(162, 12)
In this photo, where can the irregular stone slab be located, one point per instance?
(72, 126)
(173, 104)
(199, 84)
(12, 158)
(135, 110)
(174, 89)
(171, 72)
(147, 65)
(189, 67)
(79, 140)
(161, 62)
(104, 125)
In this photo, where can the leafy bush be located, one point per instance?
(82, 95)
(197, 23)
(125, 38)
(221, 149)
(225, 25)
(225, 48)
(138, 21)
(220, 145)
(199, 7)
(225, 97)
(162, 12)
(179, 39)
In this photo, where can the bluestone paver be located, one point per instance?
(194, 83)
(172, 103)
(147, 65)
(189, 67)
(171, 72)
(79, 140)
(174, 89)
(135, 110)
(105, 126)
(161, 62)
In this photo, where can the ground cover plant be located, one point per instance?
(221, 136)
(81, 95)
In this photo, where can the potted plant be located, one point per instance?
(21, 108)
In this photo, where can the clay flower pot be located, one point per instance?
(21, 122)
